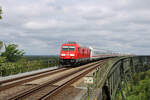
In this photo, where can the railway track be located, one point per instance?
(6, 84)
(49, 89)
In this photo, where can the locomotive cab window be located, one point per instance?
(71, 48)
(65, 48)
(68, 48)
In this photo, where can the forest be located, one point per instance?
(139, 87)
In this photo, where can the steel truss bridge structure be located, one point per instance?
(112, 77)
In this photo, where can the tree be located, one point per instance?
(1, 45)
(11, 53)
(0, 13)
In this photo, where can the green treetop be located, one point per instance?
(0, 13)
(1, 44)
(12, 54)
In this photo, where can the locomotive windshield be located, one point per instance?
(68, 48)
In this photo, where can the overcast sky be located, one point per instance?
(41, 26)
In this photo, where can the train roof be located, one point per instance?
(100, 49)
(70, 42)
(74, 43)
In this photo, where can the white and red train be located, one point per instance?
(74, 54)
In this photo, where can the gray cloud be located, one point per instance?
(40, 27)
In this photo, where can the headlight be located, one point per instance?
(63, 54)
(71, 54)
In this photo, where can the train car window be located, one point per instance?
(83, 51)
(79, 50)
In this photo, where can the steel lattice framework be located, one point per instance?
(115, 76)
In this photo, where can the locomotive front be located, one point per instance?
(68, 54)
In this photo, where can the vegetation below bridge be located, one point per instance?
(139, 87)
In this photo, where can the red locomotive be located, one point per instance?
(72, 54)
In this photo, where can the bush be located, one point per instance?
(24, 65)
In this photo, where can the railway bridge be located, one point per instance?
(114, 76)
(98, 80)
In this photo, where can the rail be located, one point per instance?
(36, 89)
